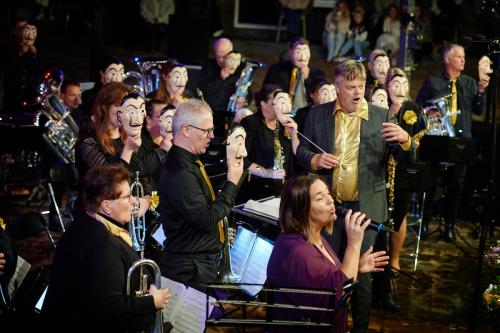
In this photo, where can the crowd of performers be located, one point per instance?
(323, 146)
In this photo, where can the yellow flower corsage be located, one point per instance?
(155, 200)
(410, 117)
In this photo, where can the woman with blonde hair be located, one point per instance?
(336, 29)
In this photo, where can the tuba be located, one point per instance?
(147, 79)
(60, 129)
(243, 83)
(439, 117)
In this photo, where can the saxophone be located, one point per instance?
(279, 157)
(243, 83)
(392, 164)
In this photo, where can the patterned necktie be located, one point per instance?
(212, 193)
(453, 104)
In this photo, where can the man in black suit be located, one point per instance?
(467, 97)
(355, 137)
(294, 75)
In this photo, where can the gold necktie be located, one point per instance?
(453, 105)
(212, 193)
(293, 78)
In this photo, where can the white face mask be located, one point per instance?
(327, 93)
(398, 89)
(484, 67)
(131, 115)
(232, 61)
(236, 144)
(177, 79)
(379, 98)
(282, 107)
(28, 35)
(380, 68)
(300, 56)
(113, 73)
(166, 122)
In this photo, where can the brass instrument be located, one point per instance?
(243, 83)
(148, 77)
(226, 274)
(60, 129)
(137, 225)
(440, 125)
(279, 157)
(137, 230)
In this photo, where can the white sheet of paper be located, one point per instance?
(159, 235)
(22, 269)
(177, 291)
(270, 209)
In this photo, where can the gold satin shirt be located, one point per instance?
(347, 137)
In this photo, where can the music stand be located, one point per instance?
(447, 149)
(414, 178)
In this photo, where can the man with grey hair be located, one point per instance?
(218, 76)
(467, 97)
(191, 210)
(354, 138)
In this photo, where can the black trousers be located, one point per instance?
(195, 270)
(362, 295)
(450, 182)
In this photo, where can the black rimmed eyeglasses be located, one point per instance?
(207, 131)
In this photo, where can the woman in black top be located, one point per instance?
(269, 148)
(103, 140)
(87, 288)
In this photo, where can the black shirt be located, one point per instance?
(189, 216)
(217, 91)
(152, 157)
(260, 143)
(281, 73)
(89, 153)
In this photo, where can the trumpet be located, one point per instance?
(226, 274)
(137, 230)
(137, 225)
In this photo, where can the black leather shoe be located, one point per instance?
(389, 304)
(449, 232)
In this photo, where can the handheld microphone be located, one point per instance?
(373, 225)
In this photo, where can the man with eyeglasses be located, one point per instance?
(191, 211)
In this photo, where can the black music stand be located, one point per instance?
(414, 178)
(447, 149)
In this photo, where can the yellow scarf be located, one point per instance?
(115, 230)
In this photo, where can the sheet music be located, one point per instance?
(22, 269)
(256, 270)
(263, 208)
(159, 235)
(186, 308)
(177, 291)
(273, 202)
(192, 312)
(241, 249)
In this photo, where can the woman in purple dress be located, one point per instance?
(302, 258)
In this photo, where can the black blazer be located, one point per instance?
(320, 128)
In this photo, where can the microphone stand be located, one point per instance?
(486, 216)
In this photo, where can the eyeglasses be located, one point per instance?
(129, 197)
(207, 131)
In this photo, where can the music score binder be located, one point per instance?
(249, 257)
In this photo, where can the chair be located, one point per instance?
(280, 23)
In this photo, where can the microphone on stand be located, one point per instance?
(373, 225)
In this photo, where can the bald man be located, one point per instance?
(217, 79)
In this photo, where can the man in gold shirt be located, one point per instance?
(355, 137)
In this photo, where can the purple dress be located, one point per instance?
(296, 263)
